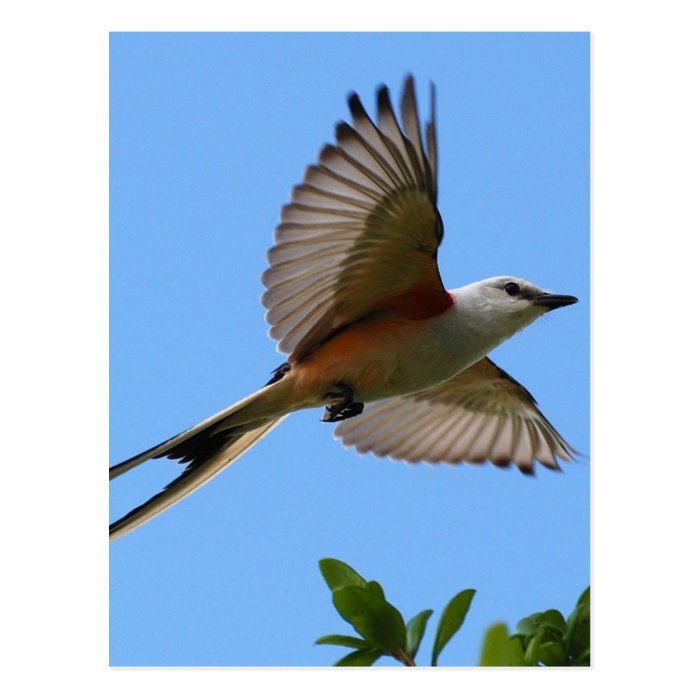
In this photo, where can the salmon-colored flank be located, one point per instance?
(361, 356)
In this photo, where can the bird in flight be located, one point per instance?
(355, 301)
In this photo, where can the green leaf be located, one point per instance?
(374, 587)
(527, 626)
(552, 654)
(578, 632)
(343, 640)
(532, 650)
(551, 622)
(583, 660)
(580, 649)
(498, 649)
(372, 617)
(338, 574)
(451, 620)
(415, 629)
(584, 598)
(364, 657)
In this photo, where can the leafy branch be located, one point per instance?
(542, 639)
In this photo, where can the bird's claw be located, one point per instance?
(334, 413)
(342, 405)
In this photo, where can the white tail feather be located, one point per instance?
(189, 481)
(207, 448)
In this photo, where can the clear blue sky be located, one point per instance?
(208, 133)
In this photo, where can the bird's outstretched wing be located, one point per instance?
(481, 414)
(361, 233)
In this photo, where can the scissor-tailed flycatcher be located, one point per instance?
(355, 299)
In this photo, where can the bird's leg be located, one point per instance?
(341, 404)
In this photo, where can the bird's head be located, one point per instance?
(504, 305)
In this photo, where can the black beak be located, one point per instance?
(553, 301)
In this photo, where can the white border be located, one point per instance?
(54, 289)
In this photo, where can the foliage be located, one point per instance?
(542, 639)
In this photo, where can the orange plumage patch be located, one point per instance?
(420, 303)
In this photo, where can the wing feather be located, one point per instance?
(481, 414)
(361, 232)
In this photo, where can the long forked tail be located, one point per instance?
(206, 449)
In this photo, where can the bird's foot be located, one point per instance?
(341, 404)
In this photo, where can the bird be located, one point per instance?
(355, 300)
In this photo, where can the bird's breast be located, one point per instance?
(390, 356)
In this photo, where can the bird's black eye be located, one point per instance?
(511, 289)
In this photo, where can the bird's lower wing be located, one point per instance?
(194, 476)
(481, 414)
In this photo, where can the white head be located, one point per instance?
(500, 306)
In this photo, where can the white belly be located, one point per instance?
(419, 356)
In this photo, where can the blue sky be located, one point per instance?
(208, 133)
